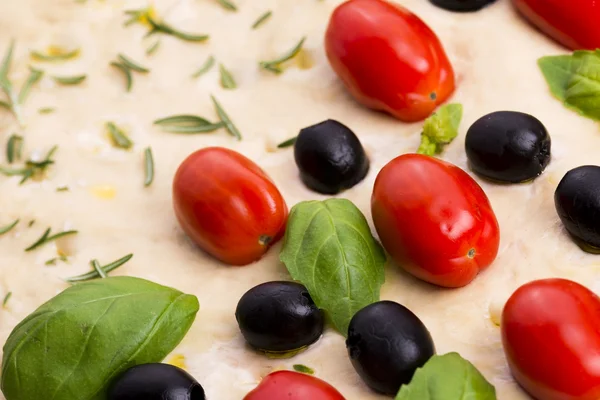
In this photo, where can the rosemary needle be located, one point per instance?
(262, 19)
(6, 299)
(227, 81)
(287, 143)
(132, 65)
(69, 80)
(148, 166)
(9, 227)
(229, 125)
(46, 238)
(275, 65)
(14, 148)
(208, 64)
(127, 72)
(98, 269)
(106, 269)
(118, 137)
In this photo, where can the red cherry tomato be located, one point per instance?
(551, 336)
(288, 385)
(574, 23)
(228, 205)
(434, 220)
(388, 58)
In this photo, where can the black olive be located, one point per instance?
(155, 382)
(330, 157)
(577, 200)
(387, 343)
(279, 317)
(508, 146)
(462, 5)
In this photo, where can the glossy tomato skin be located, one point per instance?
(388, 58)
(289, 385)
(228, 206)
(434, 220)
(551, 337)
(574, 23)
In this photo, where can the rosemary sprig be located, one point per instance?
(208, 64)
(132, 65)
(31, 167)
(262, 19)
(106, 269)
(6, 299)
(163, 27)
(148, 166)
(34, 76)
(118, 137)
(9, 227)
(14, 148)
(227, 81)
(228, 5)
(229, 125)
(46, 238)
(127, 72)
(287, 143)
(187, 124)
(55, 54)
(69, 80)
(152, 49)
(276, 65)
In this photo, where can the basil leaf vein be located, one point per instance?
(329, 248)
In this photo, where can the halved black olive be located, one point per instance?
(330, 157)
(462, 5)
(155, 382)
(387, 343)
(577, 201)
(279, 317)
(508, 146)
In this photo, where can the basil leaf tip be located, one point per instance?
(440, 129)
(447, 377)
(575, 80)
(341, 263)
(90, 333)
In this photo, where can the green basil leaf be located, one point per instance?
(575, 80)
(440, 129)
(75, 344)
(447, 377)
(329, 248)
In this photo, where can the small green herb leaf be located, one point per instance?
(447, 377)
(46, 110)
(228, 5)
(118, 137)
(304, 369)
(276, 65)
(14, 148)
(288, 143)
(440, 129)
(229, 125)
(152, 49)
(262, 19)
(92, 333)
(34, 76)
(148, 166)
(47, 238)
(575, 80)
(62, 189)
(208, 64)
(106, 269)
(329, 248)
(8, 228)
(189, 124)
(55, 55)
(127, 72)
(6, 62)
(163, 27)
(69, 80)
(132, 65)
(227, 81)
(6, 299)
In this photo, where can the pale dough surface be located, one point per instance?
(494, 53)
